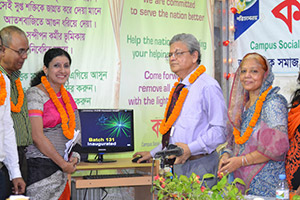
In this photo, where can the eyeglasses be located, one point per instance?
(21, 52)
(177, 54)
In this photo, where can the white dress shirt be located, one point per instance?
(8, 145)
(202, 120)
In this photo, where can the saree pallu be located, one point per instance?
(293, 155)
(47, 181)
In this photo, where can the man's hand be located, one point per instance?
(145, 156)
(19, 185)
(186, 153)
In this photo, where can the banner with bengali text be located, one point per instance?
(271, 29)
(118, 50)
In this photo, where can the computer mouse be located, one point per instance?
(137, 158)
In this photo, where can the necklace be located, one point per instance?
(17, 108)
(67, 131)
(3, 92)
(252, 123)
(167, 124)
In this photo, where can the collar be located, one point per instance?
(14, 76)
(185, 81)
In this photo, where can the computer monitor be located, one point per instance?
(106, 131)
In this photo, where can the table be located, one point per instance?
(142, 184)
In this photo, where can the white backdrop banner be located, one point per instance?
(118, 50)
(271, 28)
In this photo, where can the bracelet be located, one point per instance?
(246, 160)
(242, 161)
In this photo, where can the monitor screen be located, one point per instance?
(106, 131)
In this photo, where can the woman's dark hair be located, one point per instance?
(296, 96)
(48, 57)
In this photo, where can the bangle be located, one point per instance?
(242, 161)
(246, 160)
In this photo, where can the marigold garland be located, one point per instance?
(166, 125)
(252, 123)
(17, 108)
(3, 92)
(67, 131)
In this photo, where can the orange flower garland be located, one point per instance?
(3, 92)
(17, 108)
(166, 125)
(67, 131)
(256, 115)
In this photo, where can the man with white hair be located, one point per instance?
(196, 117)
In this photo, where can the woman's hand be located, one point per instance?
(223, 160)
(47, 148)
(230, 165)
(70, 167)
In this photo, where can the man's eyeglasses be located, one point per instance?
(21, 52)
(177, 54)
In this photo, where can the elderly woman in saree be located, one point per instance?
(257, 139)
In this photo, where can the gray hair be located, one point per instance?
(6, 34)
(190, 41)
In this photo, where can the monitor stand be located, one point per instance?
(99, 159)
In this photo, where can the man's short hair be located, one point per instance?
(190, 41)
(6, 34)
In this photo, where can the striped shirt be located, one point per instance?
(22, 124)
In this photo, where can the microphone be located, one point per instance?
(171, 150)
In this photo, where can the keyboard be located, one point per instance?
(105, 176)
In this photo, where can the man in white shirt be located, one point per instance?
(198, 124)
(8, 145)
